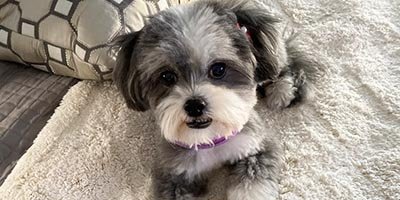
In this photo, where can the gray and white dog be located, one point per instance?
(200, 68)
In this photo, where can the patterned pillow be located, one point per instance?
(70, 37)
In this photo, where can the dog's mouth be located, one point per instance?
(199, 123)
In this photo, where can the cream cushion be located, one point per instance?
(70, 37)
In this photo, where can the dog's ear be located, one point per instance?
(268, 45)
(126, 75)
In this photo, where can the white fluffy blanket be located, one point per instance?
(344, 144)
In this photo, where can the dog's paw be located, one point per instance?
(168, 186)
(278, 94)
(288, 90)
(186, 197)
(263, 190)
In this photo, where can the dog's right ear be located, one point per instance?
(125, 75)
(269, 49)
(261, 28)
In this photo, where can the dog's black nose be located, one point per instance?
(195, 107)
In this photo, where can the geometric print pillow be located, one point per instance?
(70, 37)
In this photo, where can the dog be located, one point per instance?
(200, 69)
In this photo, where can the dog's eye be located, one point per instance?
(217, 70)
(168, 78)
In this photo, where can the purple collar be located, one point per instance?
(215, 142)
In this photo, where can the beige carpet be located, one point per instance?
(345, 144)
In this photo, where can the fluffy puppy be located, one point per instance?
(198, 68)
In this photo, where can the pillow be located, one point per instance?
(70, 37)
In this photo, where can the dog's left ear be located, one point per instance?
(126, 75)
(269, 47)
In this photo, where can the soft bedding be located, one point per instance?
(28, 98)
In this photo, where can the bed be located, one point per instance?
(28, 98)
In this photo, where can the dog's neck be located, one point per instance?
(215, 142)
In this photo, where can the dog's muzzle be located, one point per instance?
(199, 123)
(195, 108)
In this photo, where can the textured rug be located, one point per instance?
(344, 144)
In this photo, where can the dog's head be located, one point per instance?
(197, 69)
